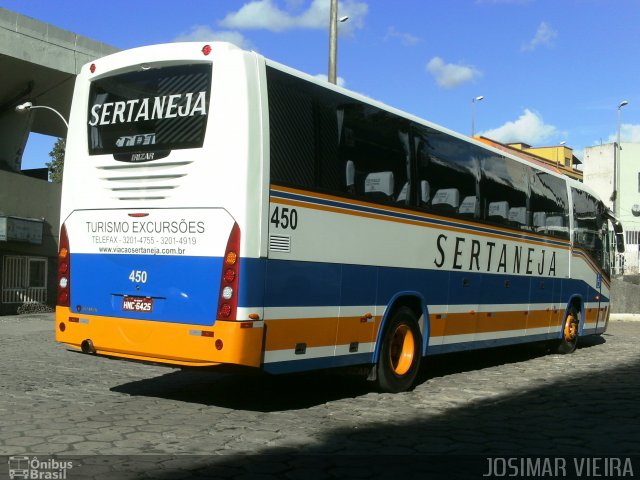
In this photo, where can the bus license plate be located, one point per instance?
(137, 304)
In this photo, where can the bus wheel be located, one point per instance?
(569, 339)
(400, 352)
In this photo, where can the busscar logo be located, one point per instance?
(35, 469)
(136, 140)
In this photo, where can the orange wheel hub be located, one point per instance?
(402, 349)
(570, 329)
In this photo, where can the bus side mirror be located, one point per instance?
(617, 228)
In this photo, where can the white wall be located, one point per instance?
(598, 174)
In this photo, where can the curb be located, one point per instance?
(625, 317)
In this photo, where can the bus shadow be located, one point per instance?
(451, 363)
(258, 392)
(261, 392)
(574, 417)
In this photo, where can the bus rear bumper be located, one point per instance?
(236, 343)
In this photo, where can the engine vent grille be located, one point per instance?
(280, 243)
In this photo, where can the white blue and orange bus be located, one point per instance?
(222, 209)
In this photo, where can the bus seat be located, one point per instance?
(468, 206)
(498, 211)
(539, 219)
(446, 199)
(425, 192)
(377, 183)
(518, 215)
(555, 226)
(555, 221)
(350, 176)
(404, 193)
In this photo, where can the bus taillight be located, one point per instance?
(64, 269)
(228, 297)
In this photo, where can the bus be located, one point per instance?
(220, 209)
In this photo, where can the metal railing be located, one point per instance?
(18, 286)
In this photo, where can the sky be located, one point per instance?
(550, 71)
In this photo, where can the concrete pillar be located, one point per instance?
(14, 132)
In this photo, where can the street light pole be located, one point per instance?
(616, 160)
(333, 40)
(473, 113)
(26, 106)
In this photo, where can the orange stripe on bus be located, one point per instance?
(315, 332)
(318, 332)
(487, 322)
(354, 329)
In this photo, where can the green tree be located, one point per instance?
(57, 160)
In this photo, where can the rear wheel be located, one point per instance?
(569, 340)
(400, 352)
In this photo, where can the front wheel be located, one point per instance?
(400, 352)
(569, 340)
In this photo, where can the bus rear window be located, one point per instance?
(153, 110)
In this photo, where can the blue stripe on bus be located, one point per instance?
(290, 283)
(185, 289)
(494, 342)
(290, 366)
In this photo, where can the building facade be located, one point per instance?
(598, 165)
(558, 158)
(29, 222)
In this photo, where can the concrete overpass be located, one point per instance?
(38, 62)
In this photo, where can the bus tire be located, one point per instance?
(569, 340)
(400, 352)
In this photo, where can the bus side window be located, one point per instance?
(549, 204)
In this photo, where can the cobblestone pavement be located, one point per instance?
(507, 401)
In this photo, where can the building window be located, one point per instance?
(24, 280)
(37, 273)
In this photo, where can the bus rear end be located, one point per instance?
(162, 207)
